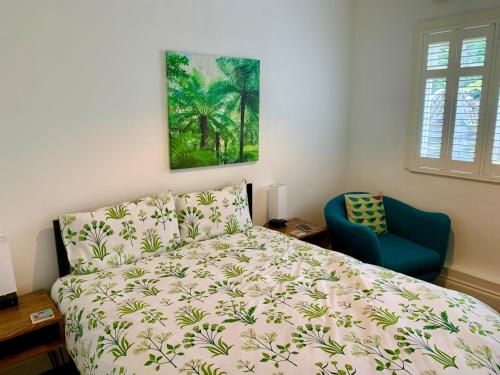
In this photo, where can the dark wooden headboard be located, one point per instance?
(62, 258)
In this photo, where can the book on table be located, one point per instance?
(41, 316)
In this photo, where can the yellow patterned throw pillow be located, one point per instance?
(367, 210)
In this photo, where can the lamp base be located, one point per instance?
(8, 300)
(277, 223)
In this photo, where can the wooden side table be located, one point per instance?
(317, 236)
(21, 340)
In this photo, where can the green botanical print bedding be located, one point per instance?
(262, 303)
(208, 214)
(112, 236)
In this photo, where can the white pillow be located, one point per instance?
(120, 234)
(207, 214)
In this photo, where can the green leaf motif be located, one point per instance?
(144, 286)
(396, 288)
(207, 337)
(134, 273)
(336, 370)
(215, 215)
(412, 339)
(311, 310)
(477, 357)
(427, 315)
(382, 316)
(200, 367)
(73, 322)
(306, 288)
(70, 289)
(130, 307)
(151, 242)
(162, 213)
(189, 315)
(128, 231)
(236, 312)
(245, 366)
(160, 351)
(232, 225)
(189, 218)
(332, 347)
(114, 340)
(171, 269)
(232, 270)
(271, 352)
(443, 358)
(316, 335)
(228, 287)
(95, 232)
(117, 212)
(206, 198)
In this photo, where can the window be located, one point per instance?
(455, 114)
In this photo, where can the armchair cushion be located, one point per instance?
(410, 258)
(367, 210)
(428, 229)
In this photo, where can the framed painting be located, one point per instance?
(213, 109)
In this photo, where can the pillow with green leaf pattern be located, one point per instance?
(120, 234)
(208, 214)
(367, 210)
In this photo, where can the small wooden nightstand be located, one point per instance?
(21, 340)
(317, 236)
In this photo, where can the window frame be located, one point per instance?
(490, 169)
(433, 31)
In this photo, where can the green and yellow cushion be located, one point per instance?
(367, 210)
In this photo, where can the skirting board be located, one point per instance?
(484, 290)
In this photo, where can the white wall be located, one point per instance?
(83, 117)
(377, 136)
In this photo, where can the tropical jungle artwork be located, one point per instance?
(213, 109)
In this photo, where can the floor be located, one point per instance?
(40, 366)
(34, 366)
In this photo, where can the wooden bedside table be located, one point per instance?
(317, 236)
(21, 340)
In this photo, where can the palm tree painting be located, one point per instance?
(213, 109)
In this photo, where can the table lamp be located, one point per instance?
(8, 289)
(276, 205)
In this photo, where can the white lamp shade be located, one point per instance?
(276, 202)
(7, 279)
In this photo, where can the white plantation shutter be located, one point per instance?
(434, 105)
(469, 119)
(466, 123)
(433, 117)
(438, 55)
(495, 157)
(492, 164)
(452, 118)
(473, 52)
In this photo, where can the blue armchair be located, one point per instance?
(415, 244)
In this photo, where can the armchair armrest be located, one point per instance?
(429, 229)
(353, 239)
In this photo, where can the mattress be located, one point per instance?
(263, 303)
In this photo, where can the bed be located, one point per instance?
(263, 303)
